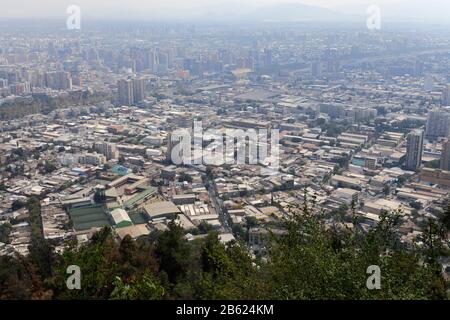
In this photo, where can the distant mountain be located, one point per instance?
(208, 11)
(288, 12)
(292, 12)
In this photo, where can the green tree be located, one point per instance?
(185, 177)
(228, 271)
(145, 288)
(99, 262)
(173, 253)
(49, 167)
(18, 204)
(41, 252)
(5, 231)
(313, 262)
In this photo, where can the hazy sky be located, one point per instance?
(166, 9)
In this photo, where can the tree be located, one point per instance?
(307, 259)
(19, 280)
(209, 173)
(49, 167)
(5, 230)
(42, 255)
(99, 262)
(401, 180)
(435, 164)
(145, 288)
(18, 204)
(445, 218)
(185, 177)
(416, 205)
(386, 190)
(173, 253)
(239, 232)
(41, 252)
(99, 196)
(432, 238)
(228, 271)
(313, 262)
(204, 227)
(251, 222)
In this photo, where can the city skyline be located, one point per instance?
(230, 10)
(232, 150)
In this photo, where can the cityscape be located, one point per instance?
(221, 159)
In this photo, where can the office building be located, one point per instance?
(438, 124)
(414, 149)
(109, 150)
(138, 90)
(58, 80)
(445, 157)
(446, 96)
(126, 93)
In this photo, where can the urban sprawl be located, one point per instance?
(87, 119)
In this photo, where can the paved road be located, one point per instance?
(217, 204)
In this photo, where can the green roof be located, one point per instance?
(139, 197)
(138, 218)
(124, 224)
(87, 217)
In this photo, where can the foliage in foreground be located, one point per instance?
(305, 261)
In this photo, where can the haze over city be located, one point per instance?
(433, 11)
(236, 152)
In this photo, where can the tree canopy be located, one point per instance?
(307, 260)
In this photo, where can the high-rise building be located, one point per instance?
(3, 83)
(446, 96)
(445, 157)
(163, 62)
(414, 149)
(152, 60)
(92, 158)
(428, 83)
(126, 94)
(138, 90)
(58, 80)
(418, 68)
(315, 69)
(109, 150)
(173, 155)
(438, 124)
(20, 88)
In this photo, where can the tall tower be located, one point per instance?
(428, 84)
(445, 157)
(438, 124)
(315, 69)
(126, 94)
(176, 154)
(414, 149)
(446, 96)
(138, 90)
